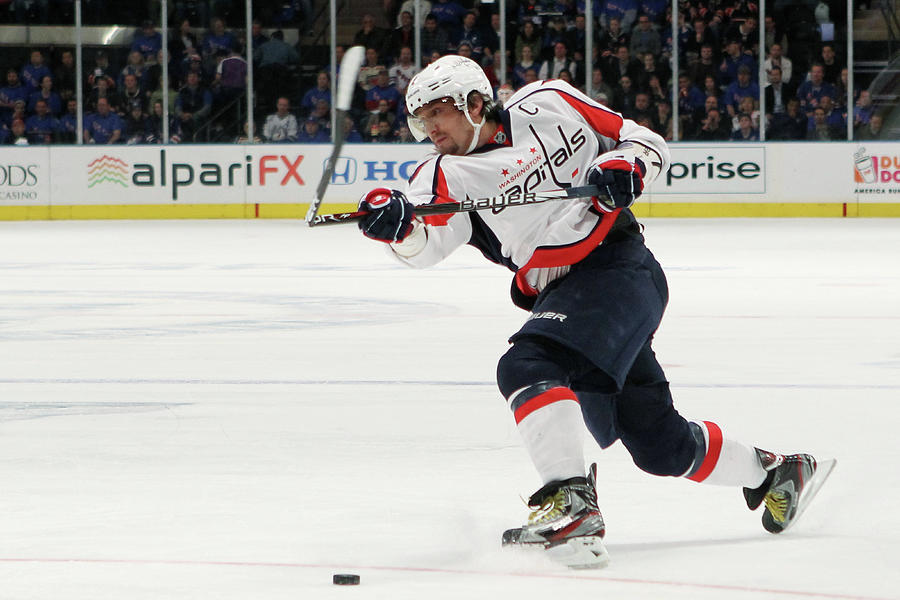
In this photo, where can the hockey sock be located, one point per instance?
(724, 461)
(549, 419)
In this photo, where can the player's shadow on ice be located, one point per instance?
(762, 537)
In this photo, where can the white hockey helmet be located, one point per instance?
(450, 76)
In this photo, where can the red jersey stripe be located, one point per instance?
(441, 195)
(601, 120)
(552, 395)
(713, 450)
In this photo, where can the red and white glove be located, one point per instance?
(390, 215)
(620, 175)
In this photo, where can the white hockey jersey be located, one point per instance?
(549, 134)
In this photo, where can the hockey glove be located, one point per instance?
(390, 215)
(618, 174)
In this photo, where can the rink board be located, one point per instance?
(277, 181)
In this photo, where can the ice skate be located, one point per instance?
(566, 523)
(792, 482)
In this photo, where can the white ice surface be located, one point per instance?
(237, 410)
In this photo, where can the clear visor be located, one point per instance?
(416, 127)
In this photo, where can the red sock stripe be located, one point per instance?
(713, 449)
(541, 400)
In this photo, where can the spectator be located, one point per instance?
(528, 36)
(434, 39)
(381, 112)
(274, 62)
(492, 37)
(9, 95)
(231, 77)
(46, 93)
(384, 132)
(136, 67)
(811, 91)
(105, 90)
(711, 129)
(777, 92)
(624, 95)
(531, 75)
(550, 68)
(734, 59)
(322, 113)
(864, 109)
(745, 131)
(5, 135)
(554, 33)
(183, 43)
(775, 34)
(157, 96)
(311, 133)
(257, 37)
(747, 106)
(216, 39)
(103, 126)
(641, 109)
(690, 99)
(368, 73)
(711, 89)
(831, 65)
(623, 10)
(611, 38)
(147, 41)
(742, 88)
(789, 125)
(68, 123)
(322, 91)
(777, 59)
(449, 14)
(833, 117)
(383, 90)
(371, 36)
(872, 130)
(246, 138)
(410, 7)
(192, 105)
(655, 10)
(18, 135)
(403, 36)
(651, 68)
(645, 39)
(155, 127)
(101, 70)
(621, 64)
(351, 133)
(656, 91)
(132, 96)
(599, 86)
(281, 126)
(576, 36)
(403, 70)
(472, 34)
(34, 71)
(662, 124)
(65, 77)
(744, 33)
(464, 48)
(820, 130)
(42, 127)
(136, 126)
(705, 66)
(701, 35)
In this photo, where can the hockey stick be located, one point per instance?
(469, 204)
(350, 65)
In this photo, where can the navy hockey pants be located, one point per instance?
(592, 330)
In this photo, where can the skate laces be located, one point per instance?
(551, 508)
(777, 505)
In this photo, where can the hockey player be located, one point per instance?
(596, 295)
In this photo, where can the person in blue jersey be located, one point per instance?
(103, 126)
(593, 292)
(10, 94)
(46, 93)
(147, 41)
(34, 71)
(41, 127)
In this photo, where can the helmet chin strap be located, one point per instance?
(475, 133)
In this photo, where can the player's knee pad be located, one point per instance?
(529, 361)
(659, 439)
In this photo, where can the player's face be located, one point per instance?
(446, 126)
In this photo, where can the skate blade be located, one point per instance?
(585, 552)
(823, 470)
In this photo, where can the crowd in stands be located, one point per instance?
(718, 92)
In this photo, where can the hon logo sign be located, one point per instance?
(715, 170)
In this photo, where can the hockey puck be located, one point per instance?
(345, 579)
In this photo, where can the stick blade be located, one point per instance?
(350, 66)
